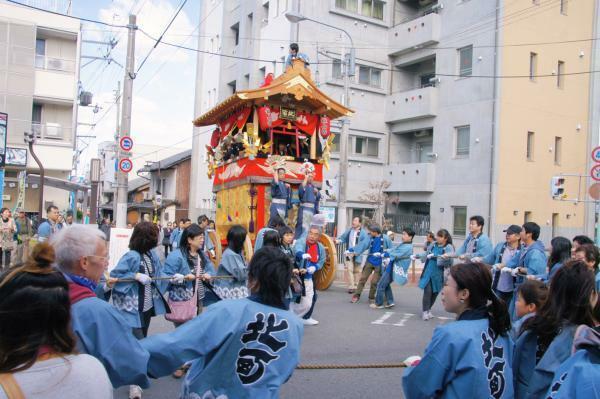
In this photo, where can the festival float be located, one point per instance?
(284, 124)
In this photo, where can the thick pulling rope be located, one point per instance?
(349, 366)
(131, 280)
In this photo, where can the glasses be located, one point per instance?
(103, 258)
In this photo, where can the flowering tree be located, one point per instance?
(377, 197)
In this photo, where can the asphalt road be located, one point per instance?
(347, 334)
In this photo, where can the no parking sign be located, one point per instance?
(126, 143)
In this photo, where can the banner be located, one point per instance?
(238, 119)
(325, 126)
(270, 117)
(22, 179)
(3, 133)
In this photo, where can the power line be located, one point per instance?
(162, 35)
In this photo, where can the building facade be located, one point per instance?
(39, 75)
(455, 107)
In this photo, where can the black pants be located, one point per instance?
(167, 249)
(5, 259)
(428, 297)
(145, 318)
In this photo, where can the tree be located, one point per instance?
(377, 196)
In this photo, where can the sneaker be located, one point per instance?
(425, 316)
(389, 305)
(355, 298)
(351, 290)
(135, 392)
(430, 315)
(375, 306)
(310, 322)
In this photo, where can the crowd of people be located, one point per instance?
(526, 317)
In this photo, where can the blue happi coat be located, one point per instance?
(260, 236)
(102, 332)
(175, 237)
(239, 349)
(362, 243)
(177, 263)
(400, 262)
(533, 380)
(534, 259)
(309, 197)
(434, 268)
(283, 195)
(579, 375)
(482, 246)
(126, 296)
(506, 282)
(300, 248)
(463, 360)
(232, 264)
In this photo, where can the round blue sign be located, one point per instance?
(125, 165)
(126, 143)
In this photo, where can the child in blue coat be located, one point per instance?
(579, 375)
(244, 348)
(471, 357)
(547, 338)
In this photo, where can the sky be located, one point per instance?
(163, 90)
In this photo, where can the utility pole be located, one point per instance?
(125, 130)
(116, 147)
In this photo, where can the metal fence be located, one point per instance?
(419, 223)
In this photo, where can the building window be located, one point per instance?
(560, 74)
(348, 5)
(369, 76)
(463, 137)
(366, 146)
(232, 86)
(527, 217)
(372, 8)
(557, 150)
(530, 143)
(465, 61)
(335, 144)
(532, 66)
(564, 5)
(459, 224)
(265, 19)
(236, 33)
(336, 71)
(40, 53)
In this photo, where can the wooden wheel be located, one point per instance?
(324, 277)
(248, 249)
(216, 240)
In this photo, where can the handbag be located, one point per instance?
(182, 311)
(296, 284)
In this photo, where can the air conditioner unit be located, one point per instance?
(422, 133)
(53, 131)
(55, 64)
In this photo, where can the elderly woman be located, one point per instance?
(7, 237)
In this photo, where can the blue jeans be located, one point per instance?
(384, 289)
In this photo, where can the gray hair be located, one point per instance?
(73, 243)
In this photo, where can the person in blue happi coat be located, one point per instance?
(142, 299)
(560, 252)
(547, 337)
(281, 195)
(310, 258)
(245, 348)
(579, 375)
(477, 244)
(275, 222)
(377, 246)
(399, 259)
(176, 234)
(209, 247)
(589, 254)
(355, 236)
(233, 267)
(309, 197)
(503, 282)
(432, 277)
(101, 331)
(471, 357)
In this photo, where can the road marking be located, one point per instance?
(404, 319)
(444, 318)
(383, 318)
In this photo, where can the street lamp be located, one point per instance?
(349, 58)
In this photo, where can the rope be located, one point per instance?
(349, 366)
(131, 280)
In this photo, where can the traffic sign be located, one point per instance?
(595, 172)
(126, 143)
(596, 154)
(595, 191)
(125, 165)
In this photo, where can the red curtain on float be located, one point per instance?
(238, 118)
(268, 117)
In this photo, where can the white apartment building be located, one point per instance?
(39, 75)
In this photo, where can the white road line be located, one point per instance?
(383, 318)
(405, 318)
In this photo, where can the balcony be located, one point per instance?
(412, 104)
(414, 34)
(410, 177)
(51, 131)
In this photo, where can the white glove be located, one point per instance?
(377, 254)
(306, 256)
(477, 259)
(413, 257)
(177, 278)
(412, 361)
(506, 270)
(348, 253)
(338, 241)
(429, 256)
(514, 272)
(311, 269)
(386, 261)
(143, 279)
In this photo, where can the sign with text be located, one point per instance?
(119, 245)
(288, 114)
(125, 165)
